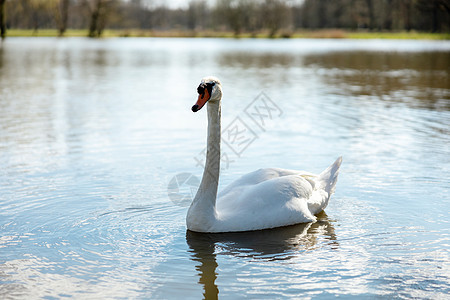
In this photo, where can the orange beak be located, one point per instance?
(202, 99)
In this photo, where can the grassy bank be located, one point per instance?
(331, 33)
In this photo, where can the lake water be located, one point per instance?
(94, 133)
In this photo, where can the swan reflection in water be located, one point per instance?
(271, 244)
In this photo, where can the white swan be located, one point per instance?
(265, 198)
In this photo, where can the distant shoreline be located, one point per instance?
(317, 34)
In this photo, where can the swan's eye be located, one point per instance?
(201, 89)
(205, 86)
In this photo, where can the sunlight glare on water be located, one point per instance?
(93, 131)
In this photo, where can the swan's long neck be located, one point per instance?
(203, 208)
(210, 179)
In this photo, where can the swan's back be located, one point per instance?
(268, 198)
(257, 177)
(275, 202)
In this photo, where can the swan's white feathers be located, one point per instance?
(279, 197)
(278, 201)
(328, 178)
(265, 198)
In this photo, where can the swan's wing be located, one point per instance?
(279, 201)
(257, 177)
(269, 198)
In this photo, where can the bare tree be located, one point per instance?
(99, 10)
(232, 13)
(40, 13)
(95, 8)
(438, 12)
(64, 16)
(197, 14)
(2, 19)
(388, 10)
(371, 13)
(276, 15)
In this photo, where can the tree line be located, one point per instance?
(238, 16)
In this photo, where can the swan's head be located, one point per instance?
(210, 90)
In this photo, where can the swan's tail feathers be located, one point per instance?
(328, 178)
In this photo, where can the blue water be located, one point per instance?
(93, 133)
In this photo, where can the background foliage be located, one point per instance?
(237, 16)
